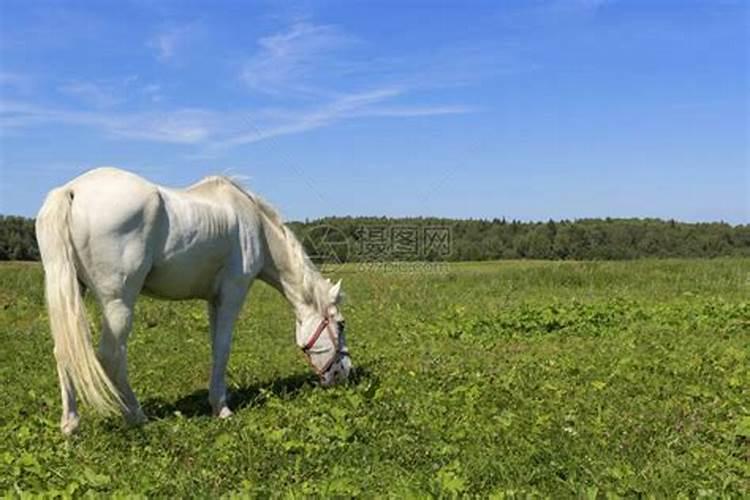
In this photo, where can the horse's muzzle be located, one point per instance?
(338, 372)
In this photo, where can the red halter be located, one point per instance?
(324, 326)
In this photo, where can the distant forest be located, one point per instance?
(367, 239)
(17, 238)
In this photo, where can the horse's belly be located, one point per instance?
(185, 277)
(199, 243)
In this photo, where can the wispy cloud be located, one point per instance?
(314, 63)
(185, 126)
(299, 67)
(170, 40)
(461, 65)
(16, 81)
(93, 93)
(108, 93)
(287, 123)
(182, 126)
(291, 60)
(277, 123)
(213, 131)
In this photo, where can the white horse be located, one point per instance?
(119, 235)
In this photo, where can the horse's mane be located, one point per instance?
(307, 278)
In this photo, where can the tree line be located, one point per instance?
(435, 239)
(17, 238)
(358, 239)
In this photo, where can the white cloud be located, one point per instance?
(308, 61)
(291, 60)
(291, 123)
(110, 92)
(215, 131)
(14, 114)
(291, 64)
(92, 93)
(348, 106)
(168, 42)
(182, 126)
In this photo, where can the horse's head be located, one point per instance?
(320, 335)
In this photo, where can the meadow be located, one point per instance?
(504, 379)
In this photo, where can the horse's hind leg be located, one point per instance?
(117, 321)
(70, 419)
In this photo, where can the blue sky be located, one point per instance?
(520, 109)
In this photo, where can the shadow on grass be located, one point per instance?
(197, 405)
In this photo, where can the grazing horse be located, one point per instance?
(119, 235)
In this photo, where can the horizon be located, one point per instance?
(529, 111)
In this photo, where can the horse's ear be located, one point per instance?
(335, 293)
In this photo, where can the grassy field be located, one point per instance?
(513, 378)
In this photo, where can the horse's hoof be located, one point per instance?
(69, 425)
(136, 418)
(224, 413)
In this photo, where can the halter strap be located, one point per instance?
(318, 332)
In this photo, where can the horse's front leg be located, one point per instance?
(223, 313)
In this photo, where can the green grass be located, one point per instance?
(555, 379)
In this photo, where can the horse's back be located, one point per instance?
(170, 243)
(113, 199)
(112, 202)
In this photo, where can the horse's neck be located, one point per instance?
(285, 269)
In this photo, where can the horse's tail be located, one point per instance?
(74, 350)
